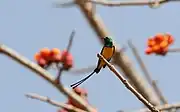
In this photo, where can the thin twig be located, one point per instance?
(57, 79)
(53, 102)
(82, 70)
(159, 93)
(70, 40)
(77, 70)
(130, 3)
(128, 85)
(140, 61)
(174, 50)
(173, 110)
(64, 5)
(44, 74)
(162, 107)
(146, 72)
(61, 69)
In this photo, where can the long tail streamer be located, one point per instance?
(81, 81)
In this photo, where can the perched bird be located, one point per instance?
(107, 52)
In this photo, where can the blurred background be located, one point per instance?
(28, 26)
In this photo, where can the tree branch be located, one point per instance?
(71, 40)
(65, 5)
(53, 102)
(146, 72)
(128, 85)
(82, 70)
(44, 74)
(174, 50)
(162, 107)
(61, 68)
(154, 3)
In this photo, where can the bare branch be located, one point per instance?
(70, 40)
(158, 92)
(146, 73)
(82, 70)
(174, 50)
(77, 70)
(165, 107)
(120, 59)
(61, 69)
(154, 3)
(44, 74)
(128, 85)
(162, 107)
(140, 61)
(53, 102)
(64, 5)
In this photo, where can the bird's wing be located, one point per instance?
(102, 49)
(99, 61)
(114, 49)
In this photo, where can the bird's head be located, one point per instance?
(108, 42)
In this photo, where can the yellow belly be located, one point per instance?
(107, 54)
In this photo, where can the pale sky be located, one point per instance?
(28, 26)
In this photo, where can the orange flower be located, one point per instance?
(37, 56)
(159, 38)
(165, 49)
(55, 51)
(159, 44)
(169, 38)
(79, 90)
(156, 48)
(42, 62)
(66, 56)
(68, 65)
(67, 59)
(45, 52)
(164, 44)
(151, 42)
(62, 110)
(148, 50)
(56, 58)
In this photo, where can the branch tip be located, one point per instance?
(151, 4)
(53, 102)
(64, 5)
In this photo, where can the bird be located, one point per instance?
(107, 52)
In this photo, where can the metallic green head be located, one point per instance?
(108, 42)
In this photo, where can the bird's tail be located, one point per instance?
(97, 70)
(81, 81)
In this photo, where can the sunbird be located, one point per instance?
(107, 52)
